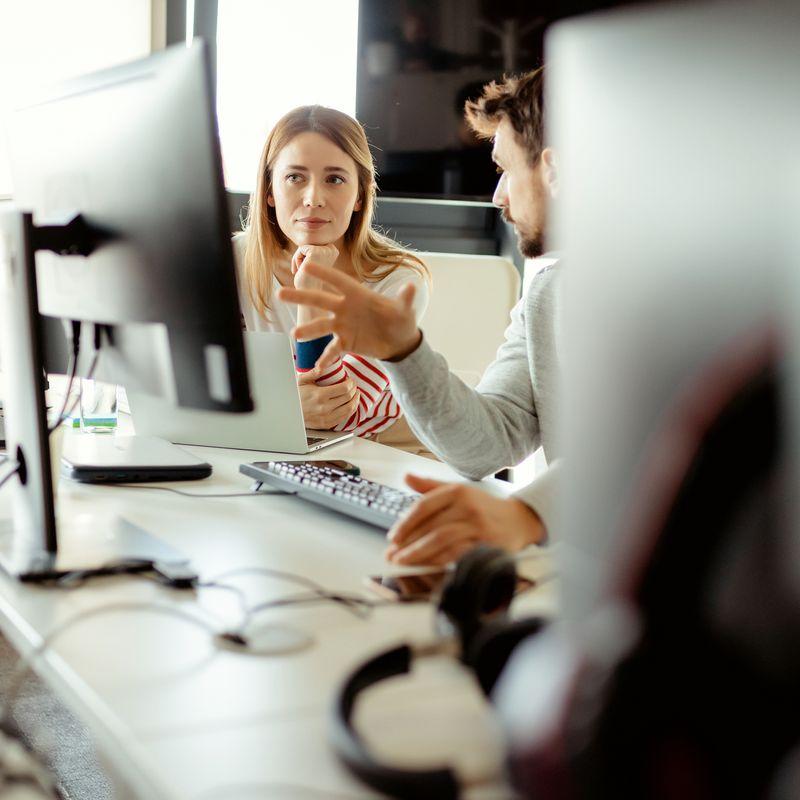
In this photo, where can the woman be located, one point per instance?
(313, 202)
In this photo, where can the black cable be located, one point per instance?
(8, 476)
(357, 605)
(69, 412)
(72, 368)
(197, 494)
(232, 636)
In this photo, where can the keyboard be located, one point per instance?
(327, 486)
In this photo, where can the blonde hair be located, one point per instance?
(368, 249)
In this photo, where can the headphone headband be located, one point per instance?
(432, 784)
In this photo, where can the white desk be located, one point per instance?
(177, 716)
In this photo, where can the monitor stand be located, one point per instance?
(29, 542)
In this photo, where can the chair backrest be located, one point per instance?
(469, 309)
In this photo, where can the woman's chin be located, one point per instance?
(312, 237)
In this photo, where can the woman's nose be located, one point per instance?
(313, 196)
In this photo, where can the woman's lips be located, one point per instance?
(312, 223)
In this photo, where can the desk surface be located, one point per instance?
(179, 717)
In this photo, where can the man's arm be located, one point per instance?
(497, 424)
(477, 431)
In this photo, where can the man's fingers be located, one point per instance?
(406, 295)
(422, 515)
(333, 277)
(322, 326)
(421, 484)
(315, 298)
(434, 547)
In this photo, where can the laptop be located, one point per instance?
(276, 424)
(123, 459)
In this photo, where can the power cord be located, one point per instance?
(281, 790)
(72, 368)
(30, 771)
(356, 604)
(9, 475)
(198, 494)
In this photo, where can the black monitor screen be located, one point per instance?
(419, 62)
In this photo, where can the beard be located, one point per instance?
(530, 243)
(530, 247)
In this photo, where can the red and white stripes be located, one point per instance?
(377, 409)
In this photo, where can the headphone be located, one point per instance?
(472, 623)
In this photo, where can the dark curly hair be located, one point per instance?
(520, 100)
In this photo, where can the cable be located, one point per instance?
(198, 494)
(25, 663)
(291, 577)
(9, 475)
(69, 412)
(278, 790)
(75, 339)
(72, 367)
(232, 637)
(359, 606)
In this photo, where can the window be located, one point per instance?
(271, 57)
(45, 41)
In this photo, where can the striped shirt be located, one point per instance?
(377, 408)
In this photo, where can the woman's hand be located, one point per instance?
(323, 254)
(325, 407)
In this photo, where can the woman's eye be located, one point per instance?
(294, 178)
(336, 179)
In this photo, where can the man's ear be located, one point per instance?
(550, 171)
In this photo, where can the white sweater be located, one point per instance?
(377, 408)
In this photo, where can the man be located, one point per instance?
(511, 411)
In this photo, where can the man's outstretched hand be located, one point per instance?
(361, 321)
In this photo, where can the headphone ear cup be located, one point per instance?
(483, 584)
(490, 648)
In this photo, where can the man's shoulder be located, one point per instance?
(542, 286)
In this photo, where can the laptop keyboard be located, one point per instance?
(357, 497)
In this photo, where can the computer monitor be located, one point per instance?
(677, 133)
(131, 156)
